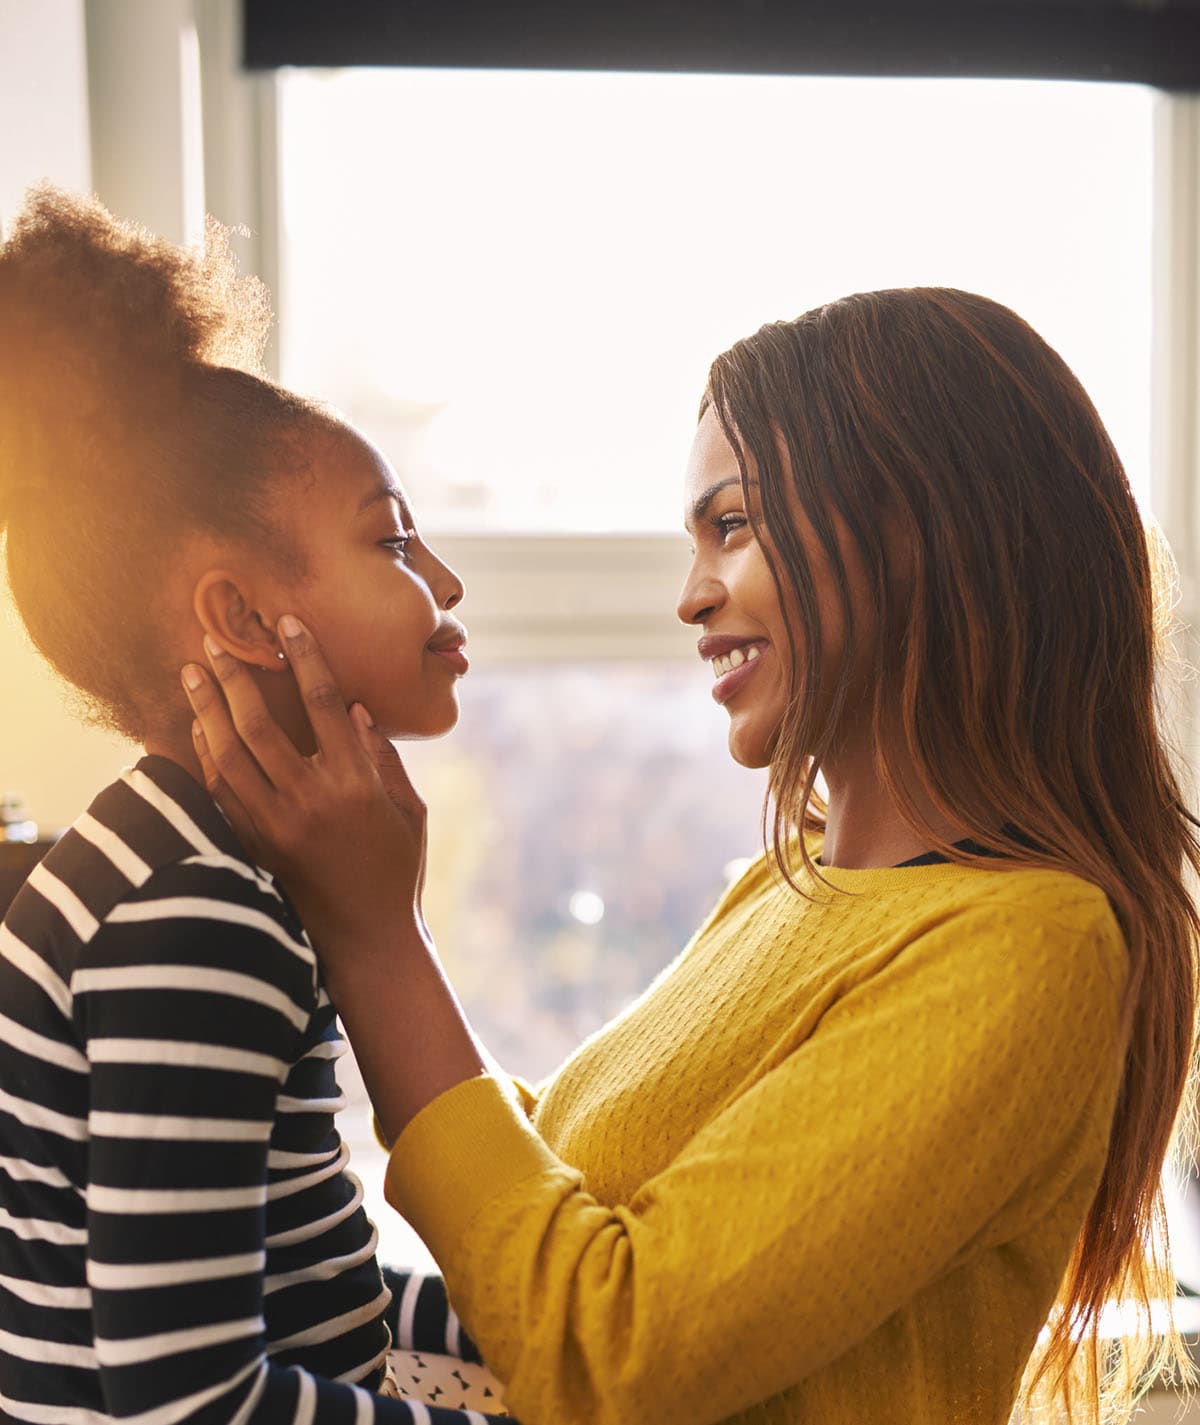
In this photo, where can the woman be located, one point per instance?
(180, 1239)
(905, 1099)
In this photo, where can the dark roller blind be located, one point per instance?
(1142, 41)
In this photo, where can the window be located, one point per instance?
(517, 280)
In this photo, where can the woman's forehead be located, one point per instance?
(712, 457)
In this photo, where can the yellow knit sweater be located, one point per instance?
(828, 1169)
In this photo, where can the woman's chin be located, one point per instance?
(753, 734)
(747, 750)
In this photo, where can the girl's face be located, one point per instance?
(376, 597)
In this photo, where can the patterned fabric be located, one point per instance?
(445, 1381)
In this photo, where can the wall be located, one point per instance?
(1175, 423)
(44, 753)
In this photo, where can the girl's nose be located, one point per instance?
(444, 584)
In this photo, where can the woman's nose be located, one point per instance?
(700, 597)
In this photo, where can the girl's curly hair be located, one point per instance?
(133, 409)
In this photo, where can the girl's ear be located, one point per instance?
(227, 607)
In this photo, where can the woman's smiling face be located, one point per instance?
(731, 596)
(376, 597)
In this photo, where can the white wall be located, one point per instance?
(1175, 464)
(143, 67)
(44, 753)
(43, 98)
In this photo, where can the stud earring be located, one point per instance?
(281, 656)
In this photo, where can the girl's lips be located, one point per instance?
(456, 658)
(729, 684)
(448, 641)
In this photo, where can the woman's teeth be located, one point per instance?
(727, 662)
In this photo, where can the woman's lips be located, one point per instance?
(734, 658)
(729, 684)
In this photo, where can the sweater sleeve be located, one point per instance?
(899, 1138)
(191, 1006)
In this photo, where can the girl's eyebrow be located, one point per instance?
(384, 491)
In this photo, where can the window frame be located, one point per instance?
(1175, 378)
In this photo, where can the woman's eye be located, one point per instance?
(725, 525)
(399, 542)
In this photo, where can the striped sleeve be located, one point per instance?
(422, 1318)
(191, 1001)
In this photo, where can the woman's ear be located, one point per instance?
(227, 607)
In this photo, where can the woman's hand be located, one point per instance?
(344, 830)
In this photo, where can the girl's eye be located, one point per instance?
(399, 542)
(725, 525)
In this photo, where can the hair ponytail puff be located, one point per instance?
(100, 321)
(134, 409)
(97, 283)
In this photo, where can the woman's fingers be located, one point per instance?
(343, 829)
(394, 776)
(323, 701)
(226, 757)
(222, 793)
(392, 771)
(258, 730)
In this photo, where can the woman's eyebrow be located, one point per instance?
(703, 500)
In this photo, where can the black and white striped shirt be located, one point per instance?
(180, 1239)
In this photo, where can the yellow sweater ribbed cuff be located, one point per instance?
(464, 1149)
(526, 1097)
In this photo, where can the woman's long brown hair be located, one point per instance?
(1018, 667)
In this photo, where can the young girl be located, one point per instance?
(904, 1100)
(180, 1239)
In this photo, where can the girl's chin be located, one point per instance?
(405, 727)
